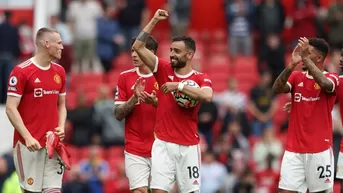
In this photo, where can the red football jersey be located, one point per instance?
(310, 124)
(39, 89)
(139, 125)
(174, 123)
(340, 103)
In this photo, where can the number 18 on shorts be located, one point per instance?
(302, 171)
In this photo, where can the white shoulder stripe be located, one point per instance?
(25, 64)
(127, 71)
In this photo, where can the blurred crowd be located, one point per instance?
(243, 131)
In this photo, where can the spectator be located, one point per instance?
(27, 46)
(67, 38)
(273, 59)
(335, 22)
(240, 15)
(213, 174)
(82, 15)
(6, 168)
(304, 20)
(268, 146)
(9, 52)
(95, 170)
(180, 12)
(12, 184)
(267, 180)
(270, 20)
(108, 38)
(133, 16)
(81, 118)
(208, 114)
(245, 183)
(76, 184)
(111, 130)
(262, 105)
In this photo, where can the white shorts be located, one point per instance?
(302, 171)
(137, 170)
(175, 163)
(339, 169)
(35, 170)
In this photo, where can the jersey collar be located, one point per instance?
(143, 75)
(311, 77)
(184, 76)
(38, 66)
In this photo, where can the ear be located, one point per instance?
(46, 44)
(190, 55)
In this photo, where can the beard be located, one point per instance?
(177, 63)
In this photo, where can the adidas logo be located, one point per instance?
(37, 80)
(301, 84)
(195, 182)
(327, 180)
(171, 78)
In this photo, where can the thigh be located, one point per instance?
(29, 167)
(188, 168)
(292, 176)
(89, 48)
(163, 167)
(53, 172)
(339, 169)
(320, 171)
(137, 170)
(233, 43)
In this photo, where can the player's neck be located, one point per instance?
(184, 71)
(144, 69)
(42, 59)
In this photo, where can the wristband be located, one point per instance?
(180, 86)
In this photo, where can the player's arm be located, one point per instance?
(62, 111)
(123, 110)
(13, 115)
(325, 83)
(280, 85)
(147, 56)
(204, 94)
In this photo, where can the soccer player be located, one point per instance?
(308, 159)
(339, 171)
(36, 105)
(175, 152)
(140, 114)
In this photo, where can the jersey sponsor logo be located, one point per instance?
(316, 86)
(13, 81)
(156, 85)
(298, 98)
(37, 80)
(11, 88)
(39, 92)
(301, 84)
(57, 79)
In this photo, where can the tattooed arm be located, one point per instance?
(318, 75)
(280, 84)
(146, 55)
(123, 110)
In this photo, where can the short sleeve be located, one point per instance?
(335, 81)
(205, 81)
(16, 83)
(63, 91)
(160, 71)
(121, 94)
(291, 80)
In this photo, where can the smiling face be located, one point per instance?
(182, 51)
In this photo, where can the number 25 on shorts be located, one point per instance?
(193, 172)
(324, 172)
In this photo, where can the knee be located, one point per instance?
(140, 190)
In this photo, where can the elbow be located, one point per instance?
(118, 115)
(276, 90)
(9, 110)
